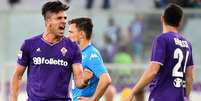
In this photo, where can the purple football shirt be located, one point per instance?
(174, 53)
(49, 68)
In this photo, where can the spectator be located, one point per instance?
(182, 3)
(136, 28)
(113, 31)
(112, 38)
(13, 2)
(89, 4)
(123, 56)
(106, 4)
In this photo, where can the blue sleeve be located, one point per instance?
(23, 55)
(95, 64)
(158, 50)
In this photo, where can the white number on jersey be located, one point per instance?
(178, 54)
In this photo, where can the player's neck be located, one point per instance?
(50, 38)
(167, 28)
(84, 43)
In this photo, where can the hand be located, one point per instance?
(85, 99)
(87, 74)
(13, 98)
(129, 98)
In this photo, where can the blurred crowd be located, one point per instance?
(130, 46)
(122, 47)
(107, 4)
(182, 3)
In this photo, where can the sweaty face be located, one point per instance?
(74, 34)
(56, 23)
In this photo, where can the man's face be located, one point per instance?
(74, 34)
(56, 22)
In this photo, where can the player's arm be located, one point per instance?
(16, 82)
(104, 82)
(146, 78)
(189, 80)
(81, 77)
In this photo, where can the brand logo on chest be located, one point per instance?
(38, 50)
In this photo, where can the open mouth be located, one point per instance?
(61, 27)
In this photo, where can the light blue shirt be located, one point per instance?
(92, 60)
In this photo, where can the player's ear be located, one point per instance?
(181, 23)
(81, 34)
(47, 20)
(162, 19)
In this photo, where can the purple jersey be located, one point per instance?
(49, 68)
(174, 53)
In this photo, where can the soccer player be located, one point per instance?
(80, 30)
(49, 58)
(171, 69)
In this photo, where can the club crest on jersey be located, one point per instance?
(19, 54)
(63, 51)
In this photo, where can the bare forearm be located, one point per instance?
(16, 82)
(81, 76)
(146, 78)
(189, 80)
(15, 86)
(81, 81)
(188, 89)
(103, 84)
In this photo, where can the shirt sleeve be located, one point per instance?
(158, 50)
(190, 58)
(23, 55)
(77, 57)
(95, 64)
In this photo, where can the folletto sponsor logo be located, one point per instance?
(50, 61)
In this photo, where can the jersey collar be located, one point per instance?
(87, 47)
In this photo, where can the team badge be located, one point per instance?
(19, 55)
(63, 51)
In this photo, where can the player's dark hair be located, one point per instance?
(173, 15)
(53, 7)
(83, 24)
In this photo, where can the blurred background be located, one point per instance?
(123, 32)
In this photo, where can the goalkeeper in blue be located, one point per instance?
(80, 31)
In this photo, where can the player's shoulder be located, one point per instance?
(93, 49)
(186, 39)
(160, 36)
(163, 35)
(70, 42)
(92, 52)
(33, 38)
